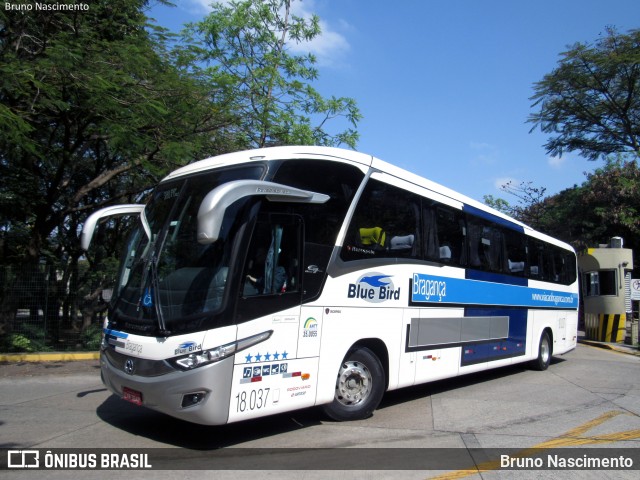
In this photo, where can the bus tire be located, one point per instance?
(544, 353)
(360, 385)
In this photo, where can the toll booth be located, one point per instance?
(606, 290)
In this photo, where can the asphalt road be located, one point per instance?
(587, 399)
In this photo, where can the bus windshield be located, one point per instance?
(169, 283)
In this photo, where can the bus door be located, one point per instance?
(274, 375)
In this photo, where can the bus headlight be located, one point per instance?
(213, 355)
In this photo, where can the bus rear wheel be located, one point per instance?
(544, 353)
(359, 386)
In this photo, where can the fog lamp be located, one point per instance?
(194, 398)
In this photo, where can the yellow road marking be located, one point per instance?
(571, 438)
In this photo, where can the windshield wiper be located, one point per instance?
(148, 295)
(155, 293)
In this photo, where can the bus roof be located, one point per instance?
(365, 161)
(272, 153)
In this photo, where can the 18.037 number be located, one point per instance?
(254, 400)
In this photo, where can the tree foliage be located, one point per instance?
(247, 47)
(591, 102)
(530, 207)
(98, 104)
(614, 193)
(605, 205)
(92, 112)
(499, 204)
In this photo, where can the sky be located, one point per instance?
(444, 87)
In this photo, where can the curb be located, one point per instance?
(629, 350)
(48, 357)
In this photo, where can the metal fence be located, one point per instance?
(43, 309)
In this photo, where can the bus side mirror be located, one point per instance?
(214, 205)
(114, 211)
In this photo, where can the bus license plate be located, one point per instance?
(132, 396)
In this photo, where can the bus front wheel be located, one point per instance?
(359, 386)
(544, 353)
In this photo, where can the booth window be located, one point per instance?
(600, 283)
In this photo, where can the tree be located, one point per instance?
(245, 46)
(98, 104)
(614, 193)
(93, 111)
(568, 217)
(591, 102)
(530, 207)
(607, 204)
(499, 204)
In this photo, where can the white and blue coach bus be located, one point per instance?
(270, 280)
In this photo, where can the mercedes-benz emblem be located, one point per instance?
(129, 366)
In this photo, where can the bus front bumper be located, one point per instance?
(200, 395)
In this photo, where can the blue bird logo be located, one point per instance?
(376, 280)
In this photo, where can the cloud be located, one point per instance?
(481, 146)
(485, 153)
(330, 44)
(556, 162)
(201, 6)
(328, 47)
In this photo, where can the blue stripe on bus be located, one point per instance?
(492, 218)
(495, 277)
(115, 333)
(434, 290)
(513, 346)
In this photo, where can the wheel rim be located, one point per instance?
(544, 350)
(354, 384)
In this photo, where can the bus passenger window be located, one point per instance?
(516, 252)
(385, 224)
(550, 263)
(563, 265)
(487, 249)
(443, 233)
(536, 261)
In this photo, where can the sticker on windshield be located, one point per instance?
(147, 299)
